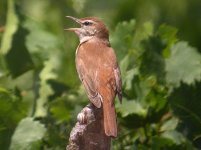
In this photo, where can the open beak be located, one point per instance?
(76, 20)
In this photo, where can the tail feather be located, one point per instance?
(110, 124)
(109, 115)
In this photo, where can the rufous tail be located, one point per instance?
(109, 114)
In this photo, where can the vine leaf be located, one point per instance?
(27, 135)
(184, 65)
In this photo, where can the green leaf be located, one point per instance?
(155, 101)
(7, 102)
(152, 60)
(124, 65)
(45, 89)
(13, 57)
(160, 142)
(131, 107)
(148, 29)
(12, 110)
(184, 65)
(27, 135)
(122, 38)
(128, 78)
(11, 27)
(170, 124)
(168, 36)
(60, 110)
(40, 42)
(143, 32)
(174, 136)
(13, 46)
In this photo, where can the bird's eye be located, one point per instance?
(86, 23)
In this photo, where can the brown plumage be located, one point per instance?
(98, 69)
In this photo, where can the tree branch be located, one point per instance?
(88, 133)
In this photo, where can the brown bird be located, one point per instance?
(98, 69)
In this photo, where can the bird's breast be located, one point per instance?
(96, 59)
(93, 54)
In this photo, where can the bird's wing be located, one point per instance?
(118, 80)
(109, 86)
(112, 60)
(89, 84)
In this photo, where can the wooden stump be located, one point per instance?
(88, 133)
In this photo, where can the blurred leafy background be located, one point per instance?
(158, 47)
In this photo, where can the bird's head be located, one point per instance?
(89, 27)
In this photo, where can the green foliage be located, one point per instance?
(188, 60)
(15, 36)
(131, 107)
(11, 112)
(12, 25)
(40, 94)
(27, 135)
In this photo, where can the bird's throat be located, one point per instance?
(85, 38)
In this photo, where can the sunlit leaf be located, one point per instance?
(45, 89)
(13, 46)
(128, 78)
(143, 32)
(121, 39)
(40, 42)
(184, 65)
(131, 107)
(170, 124)
(174, 136)
(11, 27)
(27, 135)
(168, 35)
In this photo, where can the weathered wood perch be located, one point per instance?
(88, 133)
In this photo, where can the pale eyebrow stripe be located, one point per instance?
(90, 21)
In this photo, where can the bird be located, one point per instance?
(98, 69)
